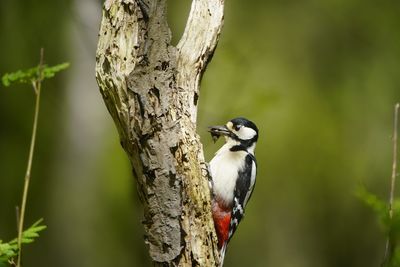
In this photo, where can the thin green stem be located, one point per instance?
(28, 171)
(394, 164)
(37, 84)
(388, 254)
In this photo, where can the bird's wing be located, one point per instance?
(243, 189)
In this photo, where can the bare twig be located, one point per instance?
(36, 86)
(393, 179)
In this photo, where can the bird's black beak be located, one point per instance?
(217, 131)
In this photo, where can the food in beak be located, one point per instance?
(217, 131)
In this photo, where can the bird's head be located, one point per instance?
(238, 131)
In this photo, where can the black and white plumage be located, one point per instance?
(233, 172)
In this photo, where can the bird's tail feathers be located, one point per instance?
(222, 254)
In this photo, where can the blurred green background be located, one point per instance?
(319, 78)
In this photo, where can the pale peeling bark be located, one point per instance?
(151, 89)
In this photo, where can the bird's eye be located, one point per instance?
(237, 127)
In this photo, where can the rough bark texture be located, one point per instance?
(151, 89)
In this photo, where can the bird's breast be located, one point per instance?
(224, 168)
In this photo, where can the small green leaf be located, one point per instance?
(19, 76)
(31, 234)
(32, 74)
(27, 240)
(49, 72)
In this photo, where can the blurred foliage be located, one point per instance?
(9, 250)
(32, 74)
(390, 225)
(380, 208)
(319, 78)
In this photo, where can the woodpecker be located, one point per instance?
(233, 173)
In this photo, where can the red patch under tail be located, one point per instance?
(222, 219)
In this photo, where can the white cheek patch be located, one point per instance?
(246, 133)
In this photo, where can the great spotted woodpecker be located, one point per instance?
(233, 173)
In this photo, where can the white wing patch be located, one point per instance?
(237, 207)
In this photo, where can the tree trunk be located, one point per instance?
(151, 89)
